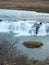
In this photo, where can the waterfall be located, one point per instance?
(42, 30)
(24, 22)
(22, 28)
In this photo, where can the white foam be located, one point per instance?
(24, 25)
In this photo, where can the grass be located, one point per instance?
(32, 44)
(34, 6)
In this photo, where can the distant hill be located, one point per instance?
(34, 5)
(24, 0)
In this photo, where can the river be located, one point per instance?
(26, 26)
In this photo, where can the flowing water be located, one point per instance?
(27, 25)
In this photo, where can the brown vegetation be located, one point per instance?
(32, 44)
(42, 6)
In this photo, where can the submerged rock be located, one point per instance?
(0, 20)
(32, 44)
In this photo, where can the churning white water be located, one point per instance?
(25, 28)
(24, 22)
